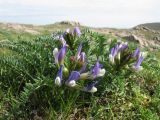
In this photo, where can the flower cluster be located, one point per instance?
(120, 55)
(117, 51)
(79, 60)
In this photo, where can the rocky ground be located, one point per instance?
(143, 35)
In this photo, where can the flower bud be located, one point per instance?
(65, 71)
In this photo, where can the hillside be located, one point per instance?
(153, 26)
(147, 35)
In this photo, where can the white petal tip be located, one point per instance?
(101, 73)
(58, 81)
(92, 90)
(71, 83)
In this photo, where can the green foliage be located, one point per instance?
(27, 89)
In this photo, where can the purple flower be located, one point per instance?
(122, 46)
(137, 66)
(57, 37)
(59, 55)
(83, 57)
(62, 40)
(112, 55)
(116, 51)
(83, 69)
(137, 53)
(77, 31)
(96, 71)
(74, 76)
(91, 87)
(79, 51)
(58, 80)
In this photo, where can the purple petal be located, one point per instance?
(82, 57)
(77, 31)
(96, 69)
(79, 50)
(136, 53)
(60, 72)
(83, 68)
(112, 55)
(112, 51)
(123, 47)
(62, 40)
(74, 76)
(115, 50)
(61, 54)
(139, 61)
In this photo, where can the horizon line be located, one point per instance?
(80, 24)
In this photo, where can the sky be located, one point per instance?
(95, 13)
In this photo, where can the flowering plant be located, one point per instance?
(74, 72)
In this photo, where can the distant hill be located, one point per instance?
(153, 26)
